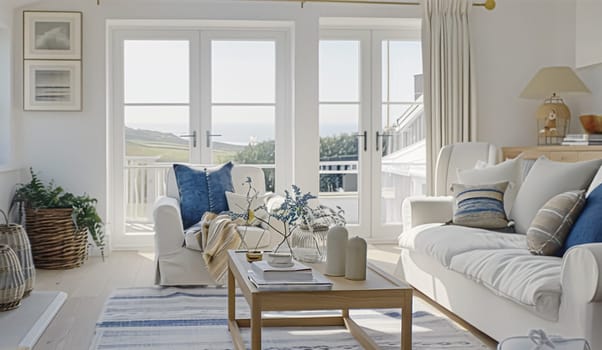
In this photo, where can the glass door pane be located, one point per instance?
(243, 104)
(402, 141)
(340, 125)
(157, 118)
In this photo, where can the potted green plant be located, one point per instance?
(58, 223)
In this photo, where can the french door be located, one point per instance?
(195, 96)
(372, 150)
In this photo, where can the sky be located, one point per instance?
(244, 72)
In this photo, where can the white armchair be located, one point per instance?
(438, 209)
(177, 264)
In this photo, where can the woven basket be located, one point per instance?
(15, 237)
(55, 242)
(12, 284)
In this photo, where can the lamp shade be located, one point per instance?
(551, 80)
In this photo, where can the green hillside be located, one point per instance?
(171, 148)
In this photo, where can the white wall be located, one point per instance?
(6, 120)
(591, 104)
(10, 175)
(511, 43)
(588, 39)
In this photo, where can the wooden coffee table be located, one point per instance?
(378, 291)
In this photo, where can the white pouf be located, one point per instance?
(538, 340)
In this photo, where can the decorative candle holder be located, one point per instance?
(356, 259)
(336, 247)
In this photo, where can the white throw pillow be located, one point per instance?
(237, 203)
(595, 182)
(545, 180)
(510, 171)
(191, 239)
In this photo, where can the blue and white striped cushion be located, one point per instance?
(480, 205)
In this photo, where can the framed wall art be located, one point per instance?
(52, 85)
(52, 35)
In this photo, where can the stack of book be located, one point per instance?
(296, 277)
(582, 140)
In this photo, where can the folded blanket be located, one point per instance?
(219, 234)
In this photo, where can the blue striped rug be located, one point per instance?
(195, 318)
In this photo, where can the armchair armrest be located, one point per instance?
(417, 211)
(169, 231)
(581, 273)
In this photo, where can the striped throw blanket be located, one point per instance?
(218, 234)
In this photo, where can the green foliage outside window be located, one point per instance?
(341, 147)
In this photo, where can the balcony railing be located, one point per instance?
(145, 176)
(144, 183)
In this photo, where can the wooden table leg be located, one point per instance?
(255, 323)
(231, 295)
(406, 323)
(345, 313)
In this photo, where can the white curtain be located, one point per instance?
(449, 88)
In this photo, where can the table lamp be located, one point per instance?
(553, 116)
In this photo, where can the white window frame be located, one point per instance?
(363, 37)
(382, 232)
(200, 87)
(370, 36)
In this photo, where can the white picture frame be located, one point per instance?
(49, 35)
(52, 85)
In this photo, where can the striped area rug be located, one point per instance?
(195, 318)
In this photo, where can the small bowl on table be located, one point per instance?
(592, 124)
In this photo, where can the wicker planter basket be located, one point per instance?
(12, 285)
(15, 237)
(55, 242)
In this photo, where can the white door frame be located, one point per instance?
(280, 32)
(283, 124)
(365, 109)
(380, 231)
(369, 168)
(119, 240)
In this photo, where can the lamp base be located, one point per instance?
(550, 140)
(553, 118)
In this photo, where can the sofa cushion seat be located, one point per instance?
(529, 280)
(443, 242)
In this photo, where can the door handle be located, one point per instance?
(379, 136)
(209, 136)
(365, 136)
(192, 136)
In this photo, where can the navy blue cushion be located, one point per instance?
(202, 191)
(219, 181)
(587, 228)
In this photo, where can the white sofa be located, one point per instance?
(489, 279)
(178, 258)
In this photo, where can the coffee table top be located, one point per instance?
(376, 279)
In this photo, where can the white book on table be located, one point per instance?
(297, 272)
(581, 143)
(583, 137)
(318, 282)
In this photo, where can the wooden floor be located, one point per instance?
(90, 285)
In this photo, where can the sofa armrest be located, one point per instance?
(417, 211)
(582, 273)
(169, 231)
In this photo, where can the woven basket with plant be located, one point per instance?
(58, 224)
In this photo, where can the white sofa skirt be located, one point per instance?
(496, 316)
